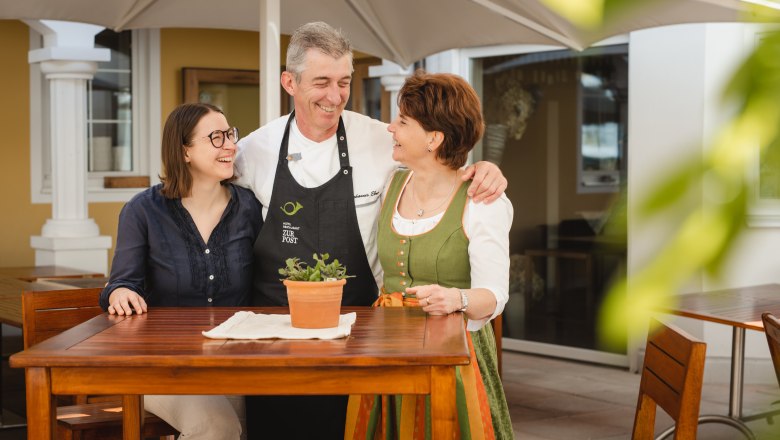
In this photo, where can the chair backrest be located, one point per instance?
(772, 330)
(48, 313)
(672, 377)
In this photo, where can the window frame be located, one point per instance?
(763, 212)
(145, 131)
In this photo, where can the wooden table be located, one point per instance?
(740, 308)
(75, 283)
(33, 273)
(15, 280)
(390, 351)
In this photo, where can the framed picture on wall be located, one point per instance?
(235, 91)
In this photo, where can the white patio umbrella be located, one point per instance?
(399, 30)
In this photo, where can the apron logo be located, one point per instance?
(288, 233)
(291, 208)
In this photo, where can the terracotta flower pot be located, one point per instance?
(314, 304)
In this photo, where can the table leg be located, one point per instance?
(132, 416)
(41, 408)
(737, 372)
(443, 407)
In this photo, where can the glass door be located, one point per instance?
(556, 124)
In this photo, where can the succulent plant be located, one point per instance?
(297, 270)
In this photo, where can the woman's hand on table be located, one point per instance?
(124, 301)
(437, 300)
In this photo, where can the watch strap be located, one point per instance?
(464, 300)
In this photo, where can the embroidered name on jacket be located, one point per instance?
(366, 199)
(373, 193)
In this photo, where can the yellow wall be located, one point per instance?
(23, 218)
(20, 219)
(209, 48)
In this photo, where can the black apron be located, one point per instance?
(300, 222)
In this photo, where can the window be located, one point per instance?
(603, 89)
(110, 105)
(765, 203)
(123, 118)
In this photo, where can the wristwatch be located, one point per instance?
(464, 299)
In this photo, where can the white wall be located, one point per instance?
(676, 77)
(665, 122)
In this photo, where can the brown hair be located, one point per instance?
(177, 135)
(446, 103)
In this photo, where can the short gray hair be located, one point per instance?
(316, 35)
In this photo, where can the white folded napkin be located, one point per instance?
(250, 325)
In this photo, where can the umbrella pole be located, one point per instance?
(270, 54)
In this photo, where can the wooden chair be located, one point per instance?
(772, 330)
(48, 313)
(672, 378)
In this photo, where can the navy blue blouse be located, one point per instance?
(161, 255)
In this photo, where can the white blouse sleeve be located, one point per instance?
(487, 227)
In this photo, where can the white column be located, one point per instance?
(68, 60)
(270, 53)
(392, 77)
(448, 61)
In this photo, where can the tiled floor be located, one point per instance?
(553, 399)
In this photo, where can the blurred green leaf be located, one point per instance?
(671, 188)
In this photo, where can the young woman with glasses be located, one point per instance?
(188, 242)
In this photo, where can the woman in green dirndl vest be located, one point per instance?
(441, 251)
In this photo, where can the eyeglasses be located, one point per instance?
(217, 137)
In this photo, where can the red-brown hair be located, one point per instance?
(446, 103)
(177, 135)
